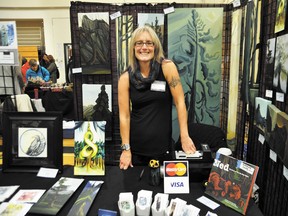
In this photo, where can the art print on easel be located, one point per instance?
(89, 148)
(8, 35)
(32, 142)
(95, 43)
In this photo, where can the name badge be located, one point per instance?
(158, 86)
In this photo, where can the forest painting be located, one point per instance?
(281, 64)
(97, 104)
(156, 21)
(261, 107)
(89, 148)
(94, 43)
(124, 29)
(195, 46)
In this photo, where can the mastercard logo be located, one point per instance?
(175, 169)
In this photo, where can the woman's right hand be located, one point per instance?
(125, 159)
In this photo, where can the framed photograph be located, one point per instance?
(32, 140)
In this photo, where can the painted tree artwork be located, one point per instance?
(89, 148)
(271, 121)
(278, 136)
(195, 46)
(281, 64)
(154, 20)
(97, 105)
(261, 107)
(124, 29)
(94, 33)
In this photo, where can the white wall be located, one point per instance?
(56, 18)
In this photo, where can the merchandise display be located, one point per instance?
(231, 182)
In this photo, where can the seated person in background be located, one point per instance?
(37, 73)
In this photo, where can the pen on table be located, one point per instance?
(141, 174)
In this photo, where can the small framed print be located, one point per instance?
(32, 140)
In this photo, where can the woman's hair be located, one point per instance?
(158, 50)
(51, 58)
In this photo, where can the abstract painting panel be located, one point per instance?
(89, 148)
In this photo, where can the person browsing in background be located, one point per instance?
(151, 83)
(52, 68)
(37, 73)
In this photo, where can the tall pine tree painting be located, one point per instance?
(195, 46)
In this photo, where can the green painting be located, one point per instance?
(195, 46)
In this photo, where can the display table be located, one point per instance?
(115, 182)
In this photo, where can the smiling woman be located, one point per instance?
(151, 82)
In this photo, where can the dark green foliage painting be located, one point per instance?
(195, 46)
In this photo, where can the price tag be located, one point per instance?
(269, 93)
(261, 139)
(169, 10)
(236, 3)
(273, 156)
(115, 15)
(280, 96)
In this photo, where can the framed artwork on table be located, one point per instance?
(32, 140)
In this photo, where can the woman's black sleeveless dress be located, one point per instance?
(151, 120)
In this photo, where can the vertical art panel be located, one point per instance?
(154, 20)
(94, 43)
(97, 105)
(124, 29)
(89, 148)
(261, 106)
(270, 55)
(281, 64)
(195, 46)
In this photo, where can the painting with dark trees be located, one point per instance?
(94, 42)
(97, 105)
(195, 46)
(55, 198)
(155, 21)
(261, 107)
(124, 29)
(277, 132)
